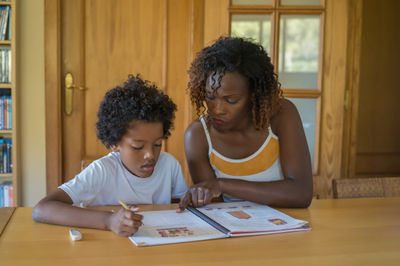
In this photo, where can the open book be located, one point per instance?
(213, 221)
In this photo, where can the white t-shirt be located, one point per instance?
(106, 181)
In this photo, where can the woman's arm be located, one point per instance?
(196, 150)
(56, 208)
(294, 191)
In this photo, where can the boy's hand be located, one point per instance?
(200, 194)
(125, 222)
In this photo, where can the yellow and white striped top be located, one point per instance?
(262, 166)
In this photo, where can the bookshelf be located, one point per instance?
(9, 180)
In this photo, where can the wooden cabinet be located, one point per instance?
(9, 185)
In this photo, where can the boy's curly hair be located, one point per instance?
(137, 99)
(248, 59)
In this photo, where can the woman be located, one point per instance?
(249, 141)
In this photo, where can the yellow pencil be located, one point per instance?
(124, 205)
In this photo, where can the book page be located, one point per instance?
(166, 227)
(251, 218)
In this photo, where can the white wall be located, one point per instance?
(31, 100)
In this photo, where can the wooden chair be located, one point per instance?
(366, 187)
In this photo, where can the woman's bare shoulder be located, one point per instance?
(195, 137)
(195, 129)
(286, 115)
(287, 107)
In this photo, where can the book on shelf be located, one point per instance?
(5, 15)
(214, 221)
(5, 112)
(2, 124)
(6, 194)
(5, 65)
(5, 156)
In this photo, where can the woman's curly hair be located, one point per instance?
(240, 55)
(137, 99)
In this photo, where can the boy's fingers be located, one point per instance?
(131, 219)
(132, 223)
(134, 208)
(132, 216)
(128, 222)
(128, 231)
(137, 217)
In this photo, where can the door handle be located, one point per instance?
(69, 92)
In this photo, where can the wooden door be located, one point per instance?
(373, 116)
(100, 42)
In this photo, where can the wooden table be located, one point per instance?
(5, 215)
(344, 232)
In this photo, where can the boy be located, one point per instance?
(132, 121)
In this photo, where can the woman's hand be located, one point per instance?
(201, 194)
(125, 222)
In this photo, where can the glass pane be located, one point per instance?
(308, 111)
(299, 51)
(251, 2)
(257, 27)
(300, 2)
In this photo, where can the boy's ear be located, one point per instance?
(114, 148)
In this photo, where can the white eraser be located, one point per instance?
(75, 234)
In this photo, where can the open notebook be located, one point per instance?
(213, 221)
